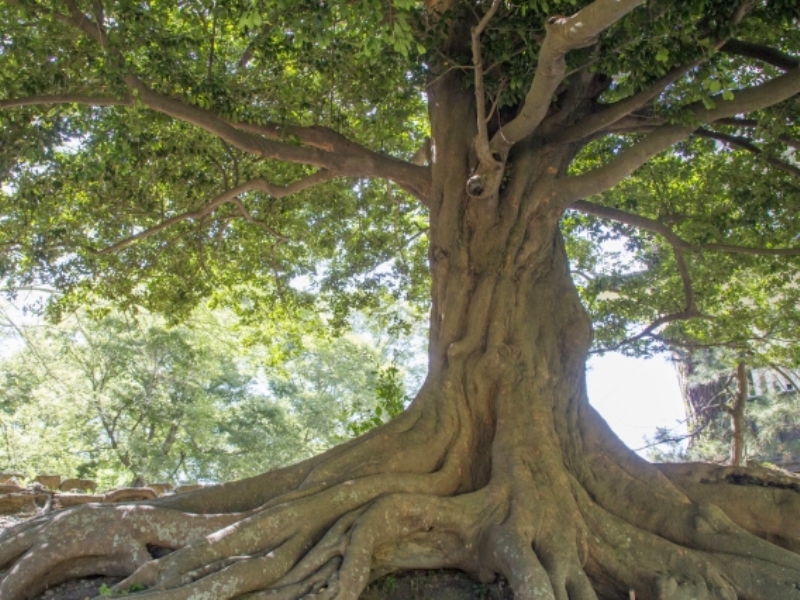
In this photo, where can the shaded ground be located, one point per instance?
(436, 585)
(79, 590)
(415, 585)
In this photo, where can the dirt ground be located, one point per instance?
(436, 585)
(416, 585)
(79, 590)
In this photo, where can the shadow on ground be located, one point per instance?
(414, 585)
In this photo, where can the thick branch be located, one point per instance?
(232, 195)
(349, 158)
(737, 122)
(482, 138)
(747, 250)
(747, 100)
(562, 35)
(753, 123)
(614, 214)
(82, 21)
(614, 112)
(356, 161)
(746, 144)
(317, 137)
(765, 54)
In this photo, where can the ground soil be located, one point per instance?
(82, 589)
(436, 585)
(413, 585)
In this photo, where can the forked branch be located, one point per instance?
(649, 331)
(611, 115)
(619, 110)
(482, 139)
(621, 216)
(318, 147)
(766, 54)
(747, 100)
(228, 196)
(679, 248)
(562, 35)
(354, 160)
(485, 181)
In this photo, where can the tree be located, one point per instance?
(118, 398)
(155, 154)
(737, 407)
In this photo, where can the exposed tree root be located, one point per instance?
(554, 530)
(500, 467)
(118, 495)
(402, 498)
(762, 501)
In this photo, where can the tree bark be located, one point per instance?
(499, 466)
(737, 415)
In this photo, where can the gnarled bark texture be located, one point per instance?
(499, 465)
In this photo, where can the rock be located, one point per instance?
(83, 485)
(14, 478)
(182, 489)
(160, 488)
(51, 482)
(24, 502)
(11, 488)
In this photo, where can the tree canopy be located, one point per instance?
(158, 154)
(474, 157)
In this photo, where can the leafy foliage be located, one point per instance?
(118, 397)
(118, 195)
(66, 172)
(772, 426)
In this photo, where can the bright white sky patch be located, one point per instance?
(635, 395)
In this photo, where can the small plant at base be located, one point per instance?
(107, 591)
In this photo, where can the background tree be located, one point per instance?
(123, 398)
(767, 415)
(155, 154)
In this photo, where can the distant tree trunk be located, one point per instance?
(703, 402)
(737, 415)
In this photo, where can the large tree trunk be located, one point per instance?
(499, 465)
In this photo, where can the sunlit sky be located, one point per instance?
(635, 395)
